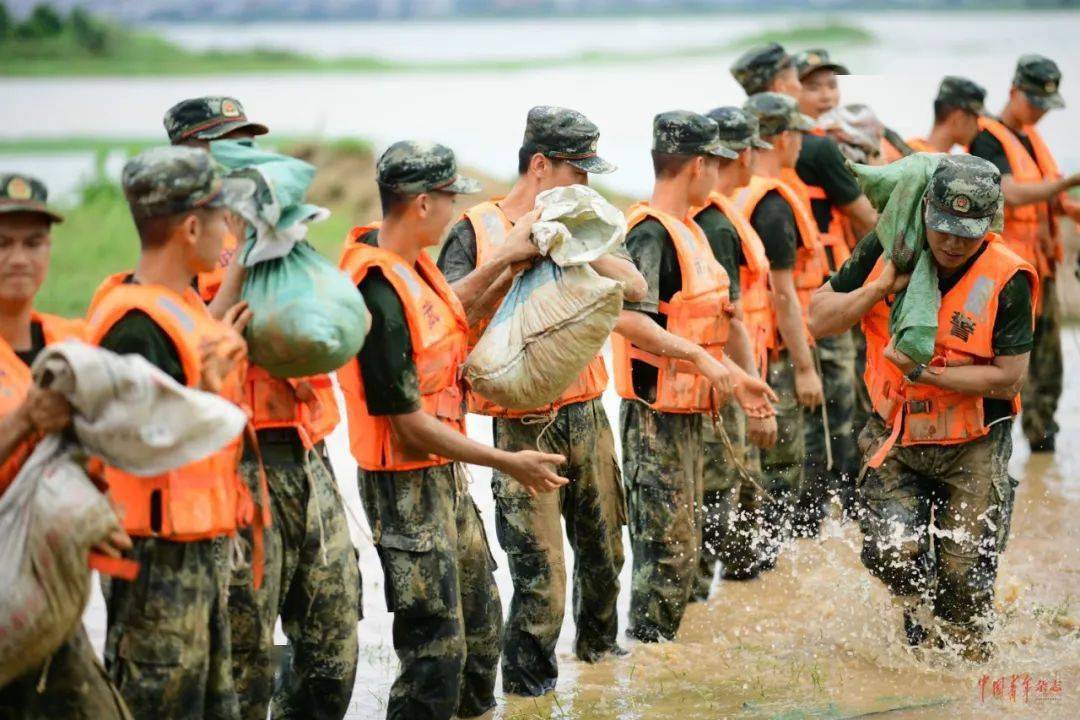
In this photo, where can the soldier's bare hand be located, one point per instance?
(717, 375)
(890, 281)
(761, 431)
(238, 316)
(535, 470)
(47, 410)
(519, 246)
(114, 545)
(808, 389)
(755, 397)
(899, 359)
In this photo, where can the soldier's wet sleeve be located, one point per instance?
(646, 248)
(386, 362)
(457, 258)
(137, 334)
(724, 242)
(987, 147)
(775, 224)
(1013, 334)
(853, 273)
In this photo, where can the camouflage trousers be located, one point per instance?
(311, 580)
(663, 466)
(439, 581)
(731, 505)
(935, 519)
(863, 408)
(820, 480)
(168, 648)
(72, 685)
(782, 466)
(1042, 391)
(530, 531)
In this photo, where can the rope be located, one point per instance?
(740, 467)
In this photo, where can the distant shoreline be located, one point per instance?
(136, 52)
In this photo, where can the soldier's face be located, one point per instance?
(745, 164)
(787, 82)
(559, 173)
(790, 146)
(705, 179)
(24, 255)
(965, 126)
(820, 93)
(436, 210)
(211, 227)
(951, 251)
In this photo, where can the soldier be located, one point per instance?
(167, 646)
(559, 149)
(1034, 199)
(957, 108)
(670, 368)
(842, 214)
(312, 580)
(937, 493)
(783, 221)
(71, 683)
(731, 499)
(407, 429)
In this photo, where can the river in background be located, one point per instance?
(480, 113)
(817, 637)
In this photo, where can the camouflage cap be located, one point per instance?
(756, 68)
(681, 132)
(23, 193)
(962, 93)
(1039, 78)
(964, 196)
(777, 113)
(207, 118)
(738, 129)
(810, 61)
(169, 180)
(565, 134)
(412, 168)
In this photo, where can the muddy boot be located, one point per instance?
(914, 631)
(1045, 445)
(967, 641)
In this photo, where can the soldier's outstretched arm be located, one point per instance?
(1001, 379)
(611, 266)
(862, 215)
(832, 312)
(424, 435)
(1017, 193)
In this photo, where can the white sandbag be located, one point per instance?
(126, 411)
(552, 322)
(577, 225)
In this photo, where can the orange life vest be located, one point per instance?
(1026, 224)
(699, 312)
(919, 145)
(811, 266)
(204, 499)
(306, 404)
(927, 414)
(889, 152)
(755, 297)
(491, 227)
(836, 237)
(439, 334)
(15, 381)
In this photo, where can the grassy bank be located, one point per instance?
(129, 52)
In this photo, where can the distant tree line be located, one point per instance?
(44, 22)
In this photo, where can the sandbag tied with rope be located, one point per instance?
(307, 318)
(135, 418)
(557, 314)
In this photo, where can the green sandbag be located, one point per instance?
(307, 316)
(896, 191)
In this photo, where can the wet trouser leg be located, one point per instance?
(312, 581)
(439, 582)
(71, 685)
(662, 468)
(168, 647)
(1042, 391)
(965, 492)
(782, 464)
(530, 531)
(859, 415)
(821, 481)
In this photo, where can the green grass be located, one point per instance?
(132, 53)
(97, 239)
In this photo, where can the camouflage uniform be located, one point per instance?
(663, 467)
(168, 647)
(782, 466)
(439, 584)
(311, 574)
(312, 581)
(837, 356)
(530, 531)
(71, 684)
(1042, 391)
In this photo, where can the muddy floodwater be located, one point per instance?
(815, 638)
